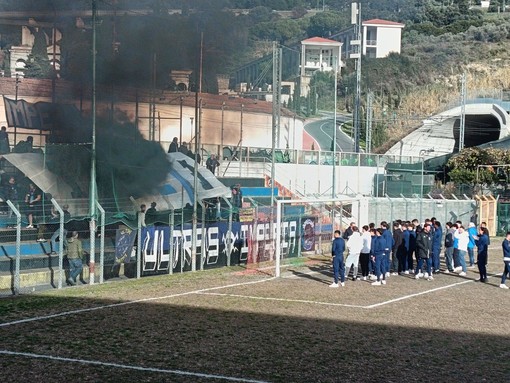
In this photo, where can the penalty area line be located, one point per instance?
(88, 309)
(416, 295)
(129, 367)
(281, 300)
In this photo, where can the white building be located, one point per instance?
(381, 37)
(318, 54)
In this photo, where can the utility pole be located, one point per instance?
(368, 139)
(93, 187)
(198, 107)
(333, 188)
(220, 153)
(462, 130)
(358, 44)
(277, 72)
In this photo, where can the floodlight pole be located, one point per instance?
(333, 188)
(93, 191)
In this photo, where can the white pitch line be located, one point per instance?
(130, 367)
(281, 300)
(78, 311)
(415, 295)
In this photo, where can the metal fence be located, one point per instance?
(172, 243)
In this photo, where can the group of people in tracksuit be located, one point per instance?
(381, 252)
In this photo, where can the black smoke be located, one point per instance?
(127, 165)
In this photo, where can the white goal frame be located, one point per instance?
(339, 200)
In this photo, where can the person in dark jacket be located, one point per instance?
(483, 244)
(174, 146)
(348, 232)
(398, 249)
(379, 257)
(412, 247)
(506, 260)
(337, 252)
(437, 239)
(448, 247)
(423, 253)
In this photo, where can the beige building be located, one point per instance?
(381, 37)
(318, 54)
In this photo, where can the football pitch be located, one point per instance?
(244, 325)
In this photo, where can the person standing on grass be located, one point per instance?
(354, 245)
(337, 252)
(74, 257)
(448, 247)
(462, 248)
(506, 260)
(364, 257)
(484, 224)
(437, 238)
(388, 245)
(398, 245)
(412, 247)
(482, 243)
(472, 232)
(423, 253)
(379, 257)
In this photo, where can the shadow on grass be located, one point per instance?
(261, 343)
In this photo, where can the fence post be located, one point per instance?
(171, 245)
(278, 234)
(62, 240)
(16, 284)
(202, 241)
(101, 242)
(139, 248)
(229, 235)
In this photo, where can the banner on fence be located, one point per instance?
(251, 243)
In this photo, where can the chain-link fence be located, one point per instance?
(40, 254)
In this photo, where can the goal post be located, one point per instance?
(348, 207)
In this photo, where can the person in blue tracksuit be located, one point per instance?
(506, 260)
(483, 244)
(437, 239)
(379, 257)
(388, 245)
(337, 252)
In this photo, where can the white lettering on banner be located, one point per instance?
(245, 236)
(182, 240)
(213, 245)
(186, 244)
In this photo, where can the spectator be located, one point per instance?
(183, 148)
(10, 193)
(24, 146)
(4, 141)
(174, 146)
(212, 163)
(74, 256)
(506, 260)
(33, 200)
(152, 210)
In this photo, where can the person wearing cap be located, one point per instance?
(473, 236)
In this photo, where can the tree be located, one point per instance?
(325, 24)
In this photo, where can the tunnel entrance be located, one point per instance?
(479, 129)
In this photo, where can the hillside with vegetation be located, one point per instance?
(441, 40)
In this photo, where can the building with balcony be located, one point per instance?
(318, 54)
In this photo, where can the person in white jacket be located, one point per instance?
(354, 246)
